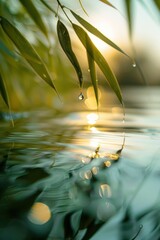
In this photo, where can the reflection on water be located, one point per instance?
(63, 175)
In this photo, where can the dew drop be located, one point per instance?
(134, 65)
(89, 70)
(44, 75)
(81, 96)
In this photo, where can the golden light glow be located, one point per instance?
(91, 100)
(94, 142)
(39, 213)
(92, 118)
(106, 30)
(94, 130)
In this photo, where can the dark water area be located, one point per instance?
(63, 174)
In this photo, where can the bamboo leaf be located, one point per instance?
(99, 59)
(128, 6)
(65, 42)
(92, 71)
(3, 91)
(96, 32)
(26, 50)
(108, 3)
(33, 12)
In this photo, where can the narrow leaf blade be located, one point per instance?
(65, 43)
(3, 91)
(96, 32)
(26, 50)
(93, 76)
(33, 12)
(128, 6)
(108, 3)
(100, 60)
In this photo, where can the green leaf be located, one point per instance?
(157, 3)
(27, 51)
(65, 42)
(33, 12)
(3, 91)
(99, 59)
(108, 3)
(96, 32)
(128, 6)
(92, 71)
(46, 4)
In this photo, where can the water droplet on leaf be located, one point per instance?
(81, 96)
(134, 65)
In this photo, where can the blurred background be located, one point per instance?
(27, 91)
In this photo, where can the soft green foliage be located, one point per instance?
(99, 59)
(38, 17)
(65, 42)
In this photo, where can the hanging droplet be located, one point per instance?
(89, 70)
(81, 96)
(134, 65)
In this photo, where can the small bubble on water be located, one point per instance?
(134, 65)
(81, 96)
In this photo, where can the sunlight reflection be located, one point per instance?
(105, 191)
(39, 213)
(93, 130)
(95, 170)
(94, 142)
(92, 118)
(107, 163)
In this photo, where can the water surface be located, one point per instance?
(63, 174)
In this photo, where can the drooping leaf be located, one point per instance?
(128, 6)
(35, 15)
(99, 59)
(3, 91)
(108, 3)
(96, 32)
(65, 42)
(157, 3)
(27, 51)
(49, 7)
(92, 71)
